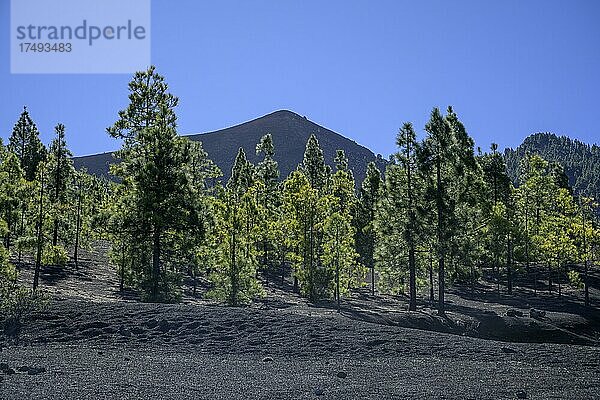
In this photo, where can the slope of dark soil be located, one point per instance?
(94, 342)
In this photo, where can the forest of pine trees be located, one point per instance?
(441, 213)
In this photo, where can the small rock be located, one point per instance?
(537, 314)
(100, 353)
(3, 366)
(319, 391)
(23, 368)
(511, 312)
(342, 374)
(267, 359)
(9, 371)
(36, 370)
(127, 359)
(521, 394)
(508, 350)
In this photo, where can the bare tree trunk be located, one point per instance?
(122, 280)
(337, 270)
(509, 282)
(77, 230)
(440, 238)
(155, 263)
(412, 305)
(21, 231)
(233, 274)
(38, 259)
(559, 270)
(585, 262)
(549, 278)
(431, 290)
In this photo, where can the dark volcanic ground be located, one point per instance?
(91, 343)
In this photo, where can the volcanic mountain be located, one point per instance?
(290, 133)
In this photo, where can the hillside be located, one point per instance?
(290, 132)
(581, 161)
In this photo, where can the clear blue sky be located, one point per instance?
(361, 68)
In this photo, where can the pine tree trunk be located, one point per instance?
(233, 274)
(585, 262)
(77, 231)
(337, 278)
(155, 263)
(282, 267)
(559, 270)
(122, 280)
(431, 289)
(311, 266)
(441, 272)
(38, 259)
(509, 282)
(549, 278)
(441, 282)
(56, 193)
(372, 280)
(585, 284)
(55, 233)
(412, 306)
(21, 231)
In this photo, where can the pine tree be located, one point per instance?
(305, 210)
(369, 196)
(40, 226)
(438, 157)
(235, 276)
(267, 173)
(497, 203)
(154, 168)
(12, 195)
(313, 164)
(60, 173)
(25, 143)
(339, 252)
(407, 157)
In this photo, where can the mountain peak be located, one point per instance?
(290, 132)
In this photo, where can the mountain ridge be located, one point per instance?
(581, 161)
(290, 133)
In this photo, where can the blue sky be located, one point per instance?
(361, 68)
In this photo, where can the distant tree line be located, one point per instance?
(442, 212)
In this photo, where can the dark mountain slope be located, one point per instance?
(290, 132)
(581, 161)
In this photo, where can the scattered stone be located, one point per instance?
(127, 359)
(537, 314)
(508, 350)
(342, 374)
(3, 367)
(9, 371)
(100, 353)
(267, 359)
(521, 394)
(319, 391)
(36, 370)
(511, 312)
